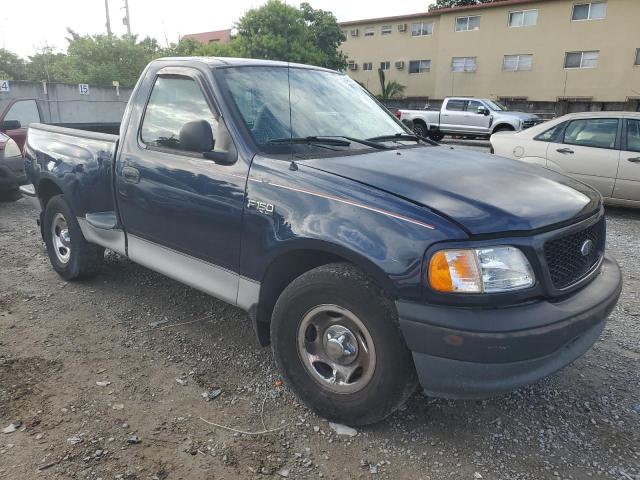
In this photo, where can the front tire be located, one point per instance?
(420, 129)
(70, 254)
(337, 343)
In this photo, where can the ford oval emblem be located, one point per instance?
(586, 248)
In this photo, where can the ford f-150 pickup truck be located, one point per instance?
(471, 117)
(368, 257)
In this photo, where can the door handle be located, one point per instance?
(130, 174)
(634, 160)
(565, 151)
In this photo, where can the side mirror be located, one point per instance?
(483, 111)
(9, 125)
(197, 136)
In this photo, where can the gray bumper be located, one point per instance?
(456, 363)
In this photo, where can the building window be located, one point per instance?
(514, 63)
(463, 64)
(589, 11)
(419, 66)
(367, 66)
(385, 65)
(637, 56)
(421, 29)
(368, 32)
(386, 29)
(523, 18)
(465, 24)
(581, 59)
(351, 65)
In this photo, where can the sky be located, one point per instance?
(27, 25)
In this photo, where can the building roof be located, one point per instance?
(214, 36)
(440, 11)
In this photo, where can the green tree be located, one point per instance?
(100, 59)
(277, 31)
(12, 67)
(458, 3)
(43, 65)
(389, 90)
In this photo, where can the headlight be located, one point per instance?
(480, 270)
(11, 149)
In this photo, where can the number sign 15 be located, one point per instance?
(83, 89)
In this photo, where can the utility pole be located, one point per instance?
(127, 20)
(106, 11)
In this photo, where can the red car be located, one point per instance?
(16, 118)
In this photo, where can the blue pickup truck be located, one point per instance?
(370, 259)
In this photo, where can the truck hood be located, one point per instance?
(483, 193)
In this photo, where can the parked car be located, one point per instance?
(474, 117)
(12, 173)
(16, 118)
(601, 149)
(366, 256)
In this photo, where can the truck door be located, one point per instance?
(453, 114)
(181, 212)
(628, 181)
(476, 122)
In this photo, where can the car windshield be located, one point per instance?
(295, 110)
(495, 106)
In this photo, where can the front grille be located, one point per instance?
(530, 123)
(565, 256)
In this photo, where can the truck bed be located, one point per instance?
(78, 159)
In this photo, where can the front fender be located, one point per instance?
(313, 210)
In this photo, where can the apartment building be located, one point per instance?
(514, 50)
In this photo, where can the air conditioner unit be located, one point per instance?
(400, 64)
(354, 32)
(353, 66)
(402, 27)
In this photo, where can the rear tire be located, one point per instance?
(436, 136)
(71, 256)
(337, 343)
(420, 129)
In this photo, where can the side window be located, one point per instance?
(24, 111)
(551, 134)
(592, 132)
(473, 106)
(633, 135)
(456, 105)
(174, 102)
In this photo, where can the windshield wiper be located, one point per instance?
(310, 140)
(400, 137)
(335, 141)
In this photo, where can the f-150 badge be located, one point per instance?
(261, 207)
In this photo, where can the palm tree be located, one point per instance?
(389, 89)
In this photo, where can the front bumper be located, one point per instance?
(476, 353)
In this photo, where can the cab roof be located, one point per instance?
(223, 62)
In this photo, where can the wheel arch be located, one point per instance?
(288, 265)
(503, 126)
(46, 190)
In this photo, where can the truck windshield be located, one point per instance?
(279, 103)
(495, 106)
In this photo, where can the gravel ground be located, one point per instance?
(122, 329)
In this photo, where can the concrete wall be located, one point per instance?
(615, 79)
(62, 103)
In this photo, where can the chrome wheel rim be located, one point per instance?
(61, 238)
(336, 349)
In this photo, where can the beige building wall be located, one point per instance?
(615, 79)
